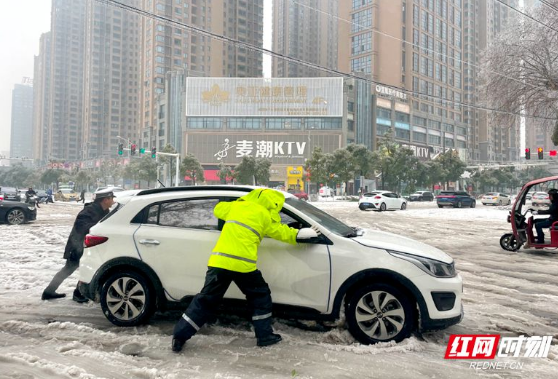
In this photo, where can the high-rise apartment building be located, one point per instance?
(169, 47)
(306, 30)
(21, 140)
(41, 99)
(112, 91)
(65, 111)
(489, 139)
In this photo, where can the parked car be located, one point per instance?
(529, 195)
(66, 194)
(151, 252)
(16, 212)
(540, 199)
(299, 194)
(456, 199)
(381, 200)
(42, 196)
(495, 198)
(422, 196)
(10, 194)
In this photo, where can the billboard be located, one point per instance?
(261, 97)
(288, 149)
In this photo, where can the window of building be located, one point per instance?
(419, 137)
(434, 140)
(383, 116)
(323, 123)
(204, 123)
(283, 123)
(361, 20)
(244, 123)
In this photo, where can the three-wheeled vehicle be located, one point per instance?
(522, 223)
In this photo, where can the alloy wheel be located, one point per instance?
(380, 315)
(126, 298)
(15, 217)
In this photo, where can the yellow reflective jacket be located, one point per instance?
(247, 221)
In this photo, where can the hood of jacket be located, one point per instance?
(270, 199)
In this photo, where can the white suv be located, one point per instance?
(152, 252)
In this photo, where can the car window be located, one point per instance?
(447, 193)
(320, 217)
(370, 194)
(194, 214)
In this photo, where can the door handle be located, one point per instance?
(149, 242)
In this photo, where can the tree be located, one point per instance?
(519, 70)
(244, 171)
(262, 171)
(147, 169)
(362, 159)
(170, 161)
(319, 166)
(342, 166)
(394, 162)
(16, 175)
(52, 176)
(224, 173)
(452, 166)
(191, 167)
(83, 179)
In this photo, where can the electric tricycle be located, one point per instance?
(522, 220)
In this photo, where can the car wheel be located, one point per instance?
(473, 204)
(440, 206)
(509, 242)
(127, 299)
(403, 206)
(15, 217)
(383, 207)
(458, 204)
(362, 207)
(500, 203)
(380, 313)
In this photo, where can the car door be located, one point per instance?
(176, 240)
(390, 199)
(297, 274)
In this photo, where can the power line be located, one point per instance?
(434, 52)
(306, 63)
(528, 16)
(551, 6)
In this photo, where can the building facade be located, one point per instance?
(41, 99)
(171, 48)
(282, 119)
(21, 138)
(306, 30)
(112, 74)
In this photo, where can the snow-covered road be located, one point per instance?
(510, 294)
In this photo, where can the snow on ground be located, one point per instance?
(505, 293)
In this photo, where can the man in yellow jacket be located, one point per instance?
(234, 258)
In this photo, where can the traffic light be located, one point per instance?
(153, 152)
(527, 153)
(142, 150)
(552, 153)
(540, 151)
(133, 149)
(120, 148)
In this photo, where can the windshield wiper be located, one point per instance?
(355, 233)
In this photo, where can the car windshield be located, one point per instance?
(447, 193)
(321, 217)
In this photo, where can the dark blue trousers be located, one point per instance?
(205, 303)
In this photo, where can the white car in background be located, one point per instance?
(381, 201)
(150, 253)
(495, 198)
(540, 199)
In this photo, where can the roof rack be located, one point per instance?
(195, 188)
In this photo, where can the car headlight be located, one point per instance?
(430, 266)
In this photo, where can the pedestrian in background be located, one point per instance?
(90, 215)
(234, 258)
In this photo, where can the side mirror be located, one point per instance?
(306, 234)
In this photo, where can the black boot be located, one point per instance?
(269, 340)
(78, 297)
(52, 295)
(177, 345)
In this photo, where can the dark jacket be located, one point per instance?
(90, 215)
(552, 211)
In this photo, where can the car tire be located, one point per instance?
(15, 217)
(403, 206)
(380, 313)
(473, 204)
(362, 207)
(383, 207)
(440, 206)
(457, 205)
(123, 308)
(500, 203)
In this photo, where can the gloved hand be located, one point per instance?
(306, 233)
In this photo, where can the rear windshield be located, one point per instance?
(447, 193)
(113, 211)
(370, 194)
(492, 194)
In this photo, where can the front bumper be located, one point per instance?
(427, 323)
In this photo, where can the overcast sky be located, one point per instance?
(21, 24)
